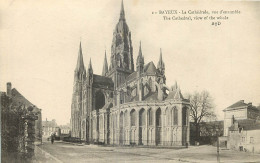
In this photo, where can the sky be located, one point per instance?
(40, 42)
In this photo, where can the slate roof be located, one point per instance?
(151, 97)
(238, 104)
(175, 94)
(149, 69)
(131, 76)
(102, 81)
(19, 99)
(241, 104)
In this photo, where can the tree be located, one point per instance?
(202, 107)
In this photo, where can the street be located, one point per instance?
(65, 152)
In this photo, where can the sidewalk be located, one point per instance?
(42, 156)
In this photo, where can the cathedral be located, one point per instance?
(129, 104)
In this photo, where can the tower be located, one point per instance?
(140, 62)
(76, 106)
(161, 68)
(105, 66)
(121, 51)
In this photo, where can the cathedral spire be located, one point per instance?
(105, 66)
(140, 58)
(80, 64)
(140, 49)
(90, 70)
(160, 64)
(122, 12)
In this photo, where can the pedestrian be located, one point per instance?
(52, 138)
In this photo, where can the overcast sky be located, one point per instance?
(40, 41)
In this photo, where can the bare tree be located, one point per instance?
(202, 108)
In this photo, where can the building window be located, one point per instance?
(133, 117)
(243, 139)
(175, 114)
(150, 122)
(251, 139)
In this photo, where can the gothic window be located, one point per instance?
(175, 114)
(150, 84)
(142, 119)
(99, 100)
(134, 92)
(121, 97)
(126, 118)
(158, 117)
(150, 122)
(184, 116)
(133, 117)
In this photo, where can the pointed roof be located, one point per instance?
(105, 66)
(80, 63)
(140, 58)
(140, 49)
(175, 86)
(122, 11)
(150, 69)
(19, 99)
(240, 103)
(90, 66)
(178, 94)
(160, 64)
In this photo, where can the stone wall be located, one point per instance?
(18, 131)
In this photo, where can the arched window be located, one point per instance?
(184, 116)
(175, 114)
(158, 117)
(142, 119)
(122, 97)
(100, 100)
(133, 117)
(126, 118)
(150, 117)
(150, 82)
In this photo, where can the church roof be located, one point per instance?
(102, 81)
(131, 76)
(149, 69)
(153, 96)
(19, 99)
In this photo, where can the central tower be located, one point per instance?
(121, 64)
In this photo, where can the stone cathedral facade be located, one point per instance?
(128, 104)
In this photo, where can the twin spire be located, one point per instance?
(80, 68)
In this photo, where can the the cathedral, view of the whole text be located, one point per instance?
(126, 106)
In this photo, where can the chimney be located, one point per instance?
(9, 89)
